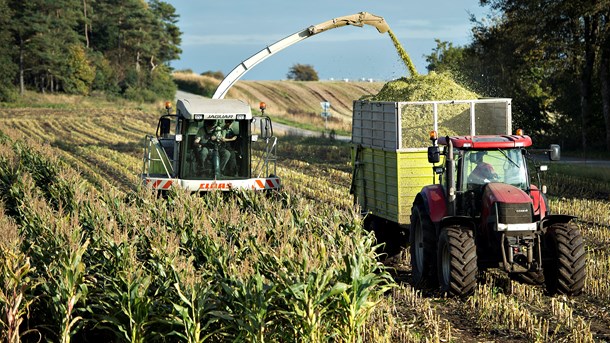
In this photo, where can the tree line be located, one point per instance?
(551, 56)
(120, 47)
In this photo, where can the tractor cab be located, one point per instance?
(473, 162)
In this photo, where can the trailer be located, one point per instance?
(389, 153)
(454, 176)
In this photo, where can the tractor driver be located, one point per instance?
(208, 140)
(483, 173)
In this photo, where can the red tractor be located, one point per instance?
(485, 213)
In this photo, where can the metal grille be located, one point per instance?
(514, 213)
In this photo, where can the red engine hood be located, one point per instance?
(501, 192)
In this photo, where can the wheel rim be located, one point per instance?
(446, 265)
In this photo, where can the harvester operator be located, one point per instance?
(229, 137)
(208, 140)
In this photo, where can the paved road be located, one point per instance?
(582, 161)
(575, 161)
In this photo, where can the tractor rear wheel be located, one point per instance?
(565, 257)
(422, 241)
(457, 261)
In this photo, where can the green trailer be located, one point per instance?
(389, 153)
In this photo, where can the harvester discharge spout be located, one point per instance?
(359, 19)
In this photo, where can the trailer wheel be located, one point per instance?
(386, 233)
(422, 239)
(457, 261)
(565, 257)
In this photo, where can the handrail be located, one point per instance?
(148, 157)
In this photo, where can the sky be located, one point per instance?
(218, 35)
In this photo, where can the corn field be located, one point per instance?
(91, 256)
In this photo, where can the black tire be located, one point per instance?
(457, 261)
(528, 278)
(565, 259)
(422, 245)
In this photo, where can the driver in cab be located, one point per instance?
(484, 172)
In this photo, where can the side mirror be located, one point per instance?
(434, 154)
(266, 128)
(554, 152)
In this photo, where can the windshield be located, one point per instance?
(501, 165)
(216, 149)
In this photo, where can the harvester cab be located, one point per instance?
(211, 144)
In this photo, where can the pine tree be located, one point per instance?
(8, 68)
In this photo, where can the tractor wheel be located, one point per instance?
(565, 257)
(457, 261)
(422, 239)
(528, 278)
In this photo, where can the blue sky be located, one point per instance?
(218, 35)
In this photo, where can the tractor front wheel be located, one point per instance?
(457, 261)
(565, 257)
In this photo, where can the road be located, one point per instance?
(582, 161)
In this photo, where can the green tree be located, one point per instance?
(168, 34)
(302, 72)
(445, 57)
(560, 45)
(215, 74)
(8, 68)
(136, 39)
(79, 73)
(76, 46)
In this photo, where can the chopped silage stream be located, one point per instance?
(417, 121)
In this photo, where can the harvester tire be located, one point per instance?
(565, 259)
(457, 261)
(422, 242)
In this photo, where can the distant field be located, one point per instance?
(89, 254)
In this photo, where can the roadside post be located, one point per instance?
(325, 113)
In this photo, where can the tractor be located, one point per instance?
(484, 212)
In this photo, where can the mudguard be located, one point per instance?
(538, 202)
(435, 202)
(555, 219)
